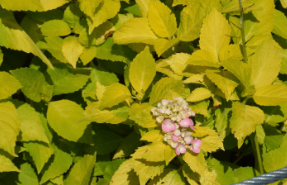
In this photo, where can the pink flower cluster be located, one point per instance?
(174, 116)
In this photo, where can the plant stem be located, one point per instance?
(255, 145)
(242, 32)
(248, 151)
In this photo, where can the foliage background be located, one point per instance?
(78, 79)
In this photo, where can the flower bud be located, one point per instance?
(164, 102)
(196, 143)
(177, 132)
(173, 144)
(168, 125)
(159, 119)
(188, 139)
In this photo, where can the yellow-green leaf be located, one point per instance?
(142, 71)
(89, 6)
(152, 136)
(106, 10)
(200, 107)
(136, 30)
(196, 162)
(114, 116)
(169, 176)
(203, 132)
(233, 6)
(32, 5)
(10, 127)
(203, 58)
(211, 143)
(244, 120)
(190, 176)
(199, 94)
(280, 26)
(153, 152)
(265, 64)
(162, 45)
(283, 3)
(271, 95)
(14, 37)
(9, 85)
(224, 81)
(215, 33)
(55, 28)
(169, 154)
(72, 49)
(230, 52)
(178, 62)
(114, 94)
(161, 19)
(6, 164)
(141, 114)
(143, 5)
(283, 68)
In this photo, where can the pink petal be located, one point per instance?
(196, 143)
(188, 139)
(180, 149)
(168, 125)
(175, 138)
(196, 150)
(185, 122)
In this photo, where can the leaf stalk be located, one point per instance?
(242, 32)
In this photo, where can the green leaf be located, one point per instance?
(167, 88)
(116, 115)
(244, 120)
(106, 141)
(112, 168)
(200, 107)
(6, 164)
(58, 164)
(244, 173)
(64, 118)
(80, 173)
(260, 134)
(225, 81)
(14, 37)
(273, 137)
(128, 145)
(9, 85)
(162, 45)
(153, 152)
(72, 15)
(224, 172)
(212, 38)
(32, 5)
(10, 125)
(31, 127)
(222, 121)
(169, 176)
(142, 71)
(88, 54)
(196, 162)
(283, 68)
(114, 52)
(1, 56)
(55, 28)
(275, 114)
(106, 10)
(280, 28)
(161, 19)
(65, 81)
(147, 170)
(72, 49)
(89, 6)
(199, 94)
(114, 94)
(265, 66)
(32, 81)
(143, 5)
(27, 175)
(271, 95)
(135, 30)
(32, 28)
(125, 174)
(141, 114)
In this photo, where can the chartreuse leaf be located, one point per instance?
(141, 114)
(230, 52)
(27, 174)
(114, 94)
(280, 28)
(89, 6)
(283, 3)
(147, 170)
(72, 49)
(200, 107)
(6, 164)
(65, 81)
(9, 85)
(232, 6)
(241, 70)
(203, 58)
(107, 9)
(125, 174)
(199, 94)
(244, 173)
(11, 31)
(222, 120)
(167, 88)
(72, 15)
(142, 71)
(224, 172)
(112, 168)
(209, 177)
(169, 176)
(64, 118)
(161, 19)
(212, 39)
(128, 145)
(162, 45)
(153, 152)
(32, 81)
(265, 66)
(58, 180)
(144, 6)
(111, 51)
(58, 164)
(224, 81)
(31, 127)
(106, 141)
(1, 56)
(55, 28)
(80, 173)
(271, 95)
(196, 162)
(178, 62)
(10, 124)
(169, 154)
(275, 114)
(190, 176)
(244, 120)
(88, 54)
(135, 30)
(32, 5)
(283, 54)
(116, 115)
(260, 134)
(152, 136)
